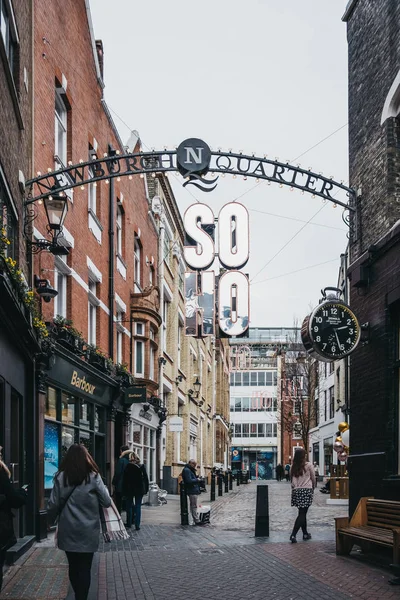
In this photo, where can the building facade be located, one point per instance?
(19, 340)
(103, 324)
(373, 32)
(254, 401)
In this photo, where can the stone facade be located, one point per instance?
(373, 31)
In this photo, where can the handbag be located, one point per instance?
(112, 526)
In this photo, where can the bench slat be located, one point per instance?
(372, 534)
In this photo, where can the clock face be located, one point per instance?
(334, 330)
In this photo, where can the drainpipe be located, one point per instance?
(347, 358)
(214, 421)
(111, 260)
(161, 331)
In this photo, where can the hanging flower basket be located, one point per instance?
(98, 360)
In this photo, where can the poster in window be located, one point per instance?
(51, 445)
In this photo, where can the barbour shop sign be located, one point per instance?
(82, 384)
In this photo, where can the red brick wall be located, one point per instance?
(69, 52)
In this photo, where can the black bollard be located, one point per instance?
(230, 480)
(212, 493)
(262, 512)
(219, 485)
(238, 478)
(184, 505)
(226, 482)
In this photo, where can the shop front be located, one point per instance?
(142, 436)
(80, 404)
(260, 462)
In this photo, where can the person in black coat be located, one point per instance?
(123, 461)
(192, 488)
(9, 498)
(135, 484)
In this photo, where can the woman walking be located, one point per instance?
(76, 498)
(303, 483)
(9, 498)
(135, 484)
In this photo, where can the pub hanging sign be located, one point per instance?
(233, 285)
(135, 395)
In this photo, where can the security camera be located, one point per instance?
(44, 289)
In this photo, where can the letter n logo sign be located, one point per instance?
(193, 157)
(194, 154)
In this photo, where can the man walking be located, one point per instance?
(192, 488)
(118, 475)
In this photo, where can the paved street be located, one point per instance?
(223, 560)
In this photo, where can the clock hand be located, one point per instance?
(339, 328)
(337, 337)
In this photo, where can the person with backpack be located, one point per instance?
(9, 498)
(123, 461)
(75, 500)
(135, 484)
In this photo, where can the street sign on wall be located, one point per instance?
(175, 424)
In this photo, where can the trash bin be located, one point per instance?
(153, 496)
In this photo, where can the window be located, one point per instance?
(165, 323)
(139, 358)
(92, 187)
(139, 328)
(60, 301)
(180, 333)
(331, 367)
(261, 378)
(137, 261)
(238, 430)
(60, 149)
(9, 35)
(245, 429)
(120, 337)
(331, 402)
(92, 312)
(8, 223)
(253, 430)
(297, 406)
(238, 405)
(152, 363)
(167, 246)
(246, 379)
(268, 429)
(261, 430)
(120, 217)
(245, 404)
(325, 406)
(253, 378)
(151, 275)
(181, 283)
(316, 409)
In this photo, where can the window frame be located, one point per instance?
(61, 157)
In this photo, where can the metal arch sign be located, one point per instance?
(194, 160)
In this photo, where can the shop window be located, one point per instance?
(86, 439)
(137, 265)
(86, 415)
(68, 409)
(67, 439)
(10, 37)
(99, 420)
(139, 358)
(51, 404)
(61, 113)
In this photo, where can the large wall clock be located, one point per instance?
(332, 330)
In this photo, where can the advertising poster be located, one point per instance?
(51, 444)
(236, 455)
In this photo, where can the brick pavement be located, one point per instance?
(223, 560)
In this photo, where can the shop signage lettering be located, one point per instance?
(233, 285)
(135, 395)
(82, 384)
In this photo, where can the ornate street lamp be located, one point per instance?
(197, 386)
(56, 207)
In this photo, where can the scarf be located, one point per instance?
(112, 526)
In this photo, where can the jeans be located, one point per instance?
(301, 521)
(118, 501)
(80, 564)
(193, 507)
(2, 561)
(138, 510)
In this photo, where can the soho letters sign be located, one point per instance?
(233, 253)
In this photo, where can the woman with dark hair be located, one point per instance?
(9, 498)
(303, 483)
(76, 498)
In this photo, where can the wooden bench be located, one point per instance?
(374, 522)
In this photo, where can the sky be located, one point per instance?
(261, 76)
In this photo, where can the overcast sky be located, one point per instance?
(261, 76)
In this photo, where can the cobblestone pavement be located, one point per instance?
(220, 561)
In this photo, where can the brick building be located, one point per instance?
(373, 31)
(18, 339)
(106, 283)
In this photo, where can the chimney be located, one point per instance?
(100, 56)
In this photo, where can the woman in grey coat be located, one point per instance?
(76, 498)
